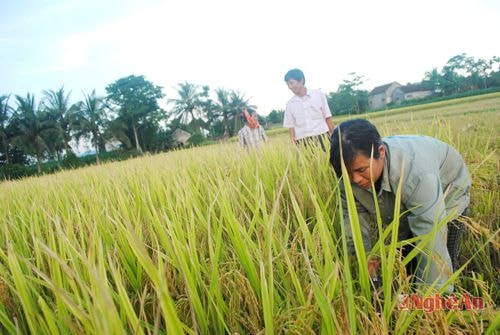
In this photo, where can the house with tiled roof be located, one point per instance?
(181, 137)
(383, 95)
(415, 91)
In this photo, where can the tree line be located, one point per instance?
(129, 114)
(459, 75)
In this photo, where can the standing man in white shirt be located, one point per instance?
(307, 115)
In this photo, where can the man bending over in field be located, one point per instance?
(435, 187)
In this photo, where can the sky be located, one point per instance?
(246, 46)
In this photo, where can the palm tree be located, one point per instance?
(89, 119)
(224, 109)
(228, 106)
(33, 127)
(188, 108)
(4, 122)
(238, 102)
(57, 106)
(433, 80)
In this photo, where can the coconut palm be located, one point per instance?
(89, 120)
(56, 104)
(238, 102)
(229, 105)
(433, 80)
(223, 109)
(5, 111)
(32, 128)
(188, 108)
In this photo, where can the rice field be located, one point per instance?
(213, 240)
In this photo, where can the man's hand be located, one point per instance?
(373, 266)
(292, 134)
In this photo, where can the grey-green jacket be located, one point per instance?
(435, 179)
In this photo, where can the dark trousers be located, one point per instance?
(318, 140)
(456, 229)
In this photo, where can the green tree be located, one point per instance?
(478, 71)
(494, 75)
(495, 63)
(32, 128)
(188, 107)
(349, 99)
(454, 74)
(57, 106)
(276, 116)
(89, 120)
(223, 109)
(156, 138)
(433, 81)
(5, 114)
(228, 106)
(238, 102)
(115, 129)
(137, 103)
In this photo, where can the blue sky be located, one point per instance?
(241, 45)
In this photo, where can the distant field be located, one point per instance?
(213, 240)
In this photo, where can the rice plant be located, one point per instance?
(215, 240)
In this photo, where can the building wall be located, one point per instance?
(417, 95)
(377, 101)
(397, 96)
(392, 94)
(181, 137)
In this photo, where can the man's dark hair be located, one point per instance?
(357, 136)
(295, 74)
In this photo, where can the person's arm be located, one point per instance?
(241, 138)
(427, 214)
(330, 124)
(425, 200)
(289, 122)
(328, 115)
(292, 134)
(369, 231)
(263, 134)
(365, 222)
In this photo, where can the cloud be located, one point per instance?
(122, 41)
(247, 45)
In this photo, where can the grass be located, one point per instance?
(213, 240)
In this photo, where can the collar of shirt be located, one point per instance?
(296, 97)
(386, 184)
